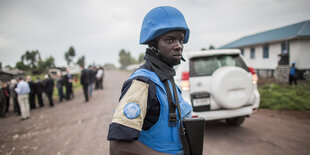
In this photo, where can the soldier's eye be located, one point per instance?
(169, 40)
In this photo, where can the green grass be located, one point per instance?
(285, 97)
(76, 86)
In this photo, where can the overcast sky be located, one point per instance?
(99, 29)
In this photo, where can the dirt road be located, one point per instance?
(78, 128)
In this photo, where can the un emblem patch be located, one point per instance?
(132, 110)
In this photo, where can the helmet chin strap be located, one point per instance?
(182, 58)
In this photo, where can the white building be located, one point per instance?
(272, 50)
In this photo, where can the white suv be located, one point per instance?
(219, 85)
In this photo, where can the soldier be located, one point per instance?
(142, 123)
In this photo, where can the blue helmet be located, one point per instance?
(161, 20)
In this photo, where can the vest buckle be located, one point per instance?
(172, 120)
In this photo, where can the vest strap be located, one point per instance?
(172, 114)
(172, 107)
(182, 130)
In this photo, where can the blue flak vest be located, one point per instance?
(160, 136)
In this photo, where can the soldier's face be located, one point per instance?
(170, 46)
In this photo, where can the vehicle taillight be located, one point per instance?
(254, 75)
(185, 81)
(252, 70)
(185, 75)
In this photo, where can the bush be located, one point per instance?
(285, 97)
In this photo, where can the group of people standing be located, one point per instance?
(64, 81)
(89, 77)
(26, 92)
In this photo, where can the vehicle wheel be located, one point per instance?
(307, 75)
(235, 121)
(231, 87)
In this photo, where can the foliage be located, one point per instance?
(8, 67)
(125, 59)
(32, 57)
(45, 65)
(211, 47)
(21, 66)
(285, 97)
(69, 55)
(81, 61)
(31, 61)
(141, 58)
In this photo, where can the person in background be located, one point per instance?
(293, 74)
(2, 101)
(7, 94)
(32, 93)
(92, 78)
(67, 85)
(84, 79)
(99, 77)
(13, 85)
(96, 69)
(59, 85)
(49, 89)
(39, 88)
(23, 91)
(70, 82)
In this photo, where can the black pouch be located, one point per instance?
(194, 131)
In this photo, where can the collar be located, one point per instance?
(162, 69)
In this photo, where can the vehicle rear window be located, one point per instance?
(206, 66)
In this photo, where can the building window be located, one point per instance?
(252, 54)
(285, 48)
(266, 51)
(242, 51)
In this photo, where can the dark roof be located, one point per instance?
(13, 72)
(297, 30)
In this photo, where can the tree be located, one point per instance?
(32, 58)
(8, 67)
(203, 49)
(21, 66)
(34, 62)
(43, 66)
(50, 62)
(125, 59)
(81, 61)
(211, 47)
(0, 65)
(69, 55)
(141, 58)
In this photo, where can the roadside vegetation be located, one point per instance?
(276, 96)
